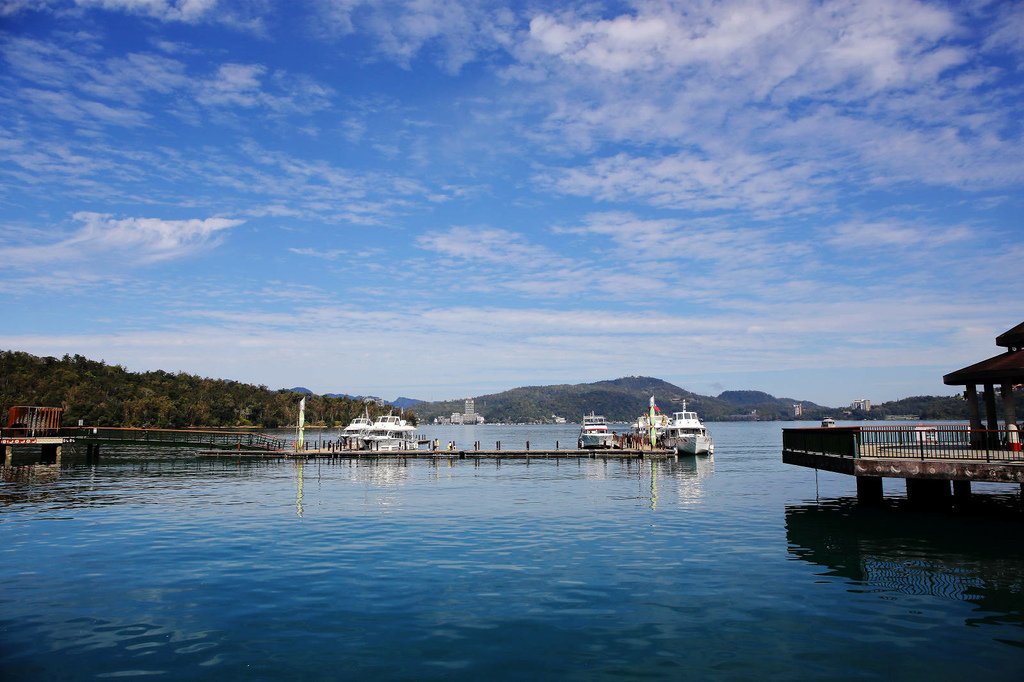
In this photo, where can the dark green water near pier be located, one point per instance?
(737, 567)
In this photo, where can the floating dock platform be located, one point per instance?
(324, 453)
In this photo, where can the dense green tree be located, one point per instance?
(109, 395)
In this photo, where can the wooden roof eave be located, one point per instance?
(1012, 338)
(1005, 368)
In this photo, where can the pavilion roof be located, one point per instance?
(1005, 368)
(1012, 338)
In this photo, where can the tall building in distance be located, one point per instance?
(798, 410)
(862, 404)
(468, 416)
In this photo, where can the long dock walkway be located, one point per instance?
(324, 453)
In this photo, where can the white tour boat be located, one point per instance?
(595, 433)
(391, 432)
(687, 435)
(354, 435)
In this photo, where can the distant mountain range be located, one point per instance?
(627, 398)
(402, 403)
(618, 400)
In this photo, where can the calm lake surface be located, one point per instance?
(155, 563)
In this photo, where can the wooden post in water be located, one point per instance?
(869, 489)
(50, 454)
(961, 491)
(929, 493)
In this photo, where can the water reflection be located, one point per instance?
(970, 559)
(654, 486)
(31, 473)
(692, 474)
(299, 465)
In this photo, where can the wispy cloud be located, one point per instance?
(487, 245)
(887, 235)
(236, 15)
(329, 254)
(686, 181)
(140, 240)
(451, 34)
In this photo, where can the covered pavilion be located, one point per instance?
(1005, 369)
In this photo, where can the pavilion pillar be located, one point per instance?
(975, 414)
(7, 452)
(992, 437)
(1009, 409)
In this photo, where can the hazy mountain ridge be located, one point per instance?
(621, 399)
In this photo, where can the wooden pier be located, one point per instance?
(327, 454)
(39, 428)
(929, 458)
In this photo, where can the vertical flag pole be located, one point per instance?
(654, 430)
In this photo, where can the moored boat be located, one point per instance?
(687, 435)
(391, 432)
(595, 434)
(354, 435)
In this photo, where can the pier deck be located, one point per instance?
(928, 457)
(437, 454)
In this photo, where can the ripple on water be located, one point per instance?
(581, 569)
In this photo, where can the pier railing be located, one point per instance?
(840, 441)
(939, 442)
(175, 437)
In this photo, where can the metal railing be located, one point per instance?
(937, 442)
(840, 441)
(175, 437)
(941, 441)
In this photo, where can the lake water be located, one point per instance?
(737, 567)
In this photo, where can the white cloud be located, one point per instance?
(234, 85)
(329, 254)
(767, 106)
(186, 11)
(486, 245)
(738, 181)
(450, 33)
(890, 234)
(140, 240)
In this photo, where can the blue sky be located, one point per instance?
(434, 199)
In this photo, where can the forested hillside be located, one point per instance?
(622, 399)
(109, 395)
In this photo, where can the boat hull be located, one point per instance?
(597, 440)
(391, 444)
(691, 445)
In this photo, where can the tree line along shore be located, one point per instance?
(109, 395)
(98, 393)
